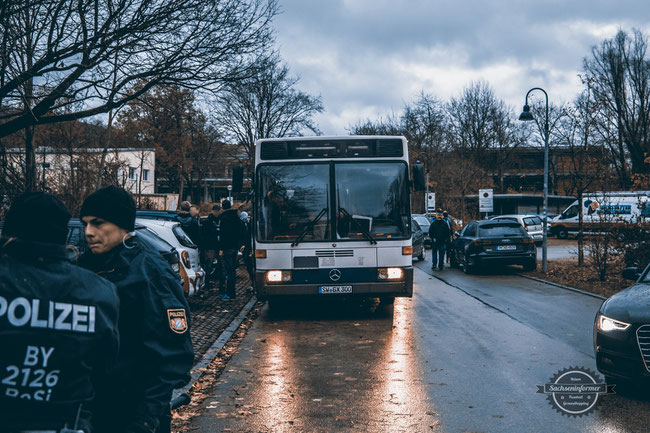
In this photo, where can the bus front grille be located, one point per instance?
(335, 253)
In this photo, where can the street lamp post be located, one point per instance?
(526, 115)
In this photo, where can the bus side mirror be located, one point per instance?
(237, 178)
(418, 177)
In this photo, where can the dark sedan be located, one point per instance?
(622, 331)
(495, 243)
(417, 239)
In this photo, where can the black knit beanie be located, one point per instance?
(37, 216)
(112, 204)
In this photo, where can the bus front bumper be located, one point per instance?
(399, 288)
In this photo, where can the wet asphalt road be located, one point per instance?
(463, 355)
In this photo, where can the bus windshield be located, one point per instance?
(294, 201)
(372, 198)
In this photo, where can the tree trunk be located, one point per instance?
(581, 245)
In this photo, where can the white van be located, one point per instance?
(601, 210)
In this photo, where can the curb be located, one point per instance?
(573, 289)
(181, 396)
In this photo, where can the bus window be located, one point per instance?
(291, 200)
(372, 198)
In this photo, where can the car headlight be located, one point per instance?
(390, 273)
(278, 276)
(607, 324)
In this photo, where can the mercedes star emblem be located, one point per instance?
(335, 275)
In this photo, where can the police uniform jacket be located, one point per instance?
(58, 324)
(155, 346)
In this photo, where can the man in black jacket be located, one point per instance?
(440, 235)
(210, 236)
(232, 238)
(58, 322)
(156, 349)
(189, 223)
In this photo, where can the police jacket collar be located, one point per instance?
(31, 250)
(118, 258)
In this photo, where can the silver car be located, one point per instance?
(532, 224)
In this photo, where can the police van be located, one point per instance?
(601, 210)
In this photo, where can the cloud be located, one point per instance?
(366, 58)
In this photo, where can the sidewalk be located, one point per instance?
(210, 315)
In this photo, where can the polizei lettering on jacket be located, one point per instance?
(61, 316)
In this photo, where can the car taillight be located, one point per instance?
(185, 256)
(482, 242)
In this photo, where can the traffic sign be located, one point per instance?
(485, 200)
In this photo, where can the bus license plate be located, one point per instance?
(506, 247)
(334, 289)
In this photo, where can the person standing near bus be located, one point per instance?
(440, 233)
(58, 322)
(156, 352)
(231, 240)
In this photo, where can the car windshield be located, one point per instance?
(501, 230)
(532, 221)
(372, 198)
(423, 221)
(149, 238)
(294, 201)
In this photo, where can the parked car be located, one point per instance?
(531, 222)
(424, 222)
(147, 238)
(164, 215)
(417, 240)
(191, 270)
(622, 331)
(493, 242)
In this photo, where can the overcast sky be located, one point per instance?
(366, 58)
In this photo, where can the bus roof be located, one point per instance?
(328, 147)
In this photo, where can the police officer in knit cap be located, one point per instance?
(156, 349)
(58, 322)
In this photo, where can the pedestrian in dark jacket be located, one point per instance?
(210, 236)
(58, 322)
(156, 349)
(231, 240)
(189, 223)
(440, 233)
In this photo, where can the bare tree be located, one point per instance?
(482, 128)
(619, 71)
(91, 54)
(577, 131)
(265, 105)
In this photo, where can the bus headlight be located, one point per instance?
(390, 273)
(607, 324)
(278, 276)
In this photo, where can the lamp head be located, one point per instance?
(526, 115)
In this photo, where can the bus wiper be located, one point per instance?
(309, 225)
(358, 226)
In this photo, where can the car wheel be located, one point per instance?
(423, 254)
(529, 267)
(562, 233)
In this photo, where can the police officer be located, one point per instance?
(58, 322)
(156, 349)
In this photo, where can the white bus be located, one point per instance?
(332, 217)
